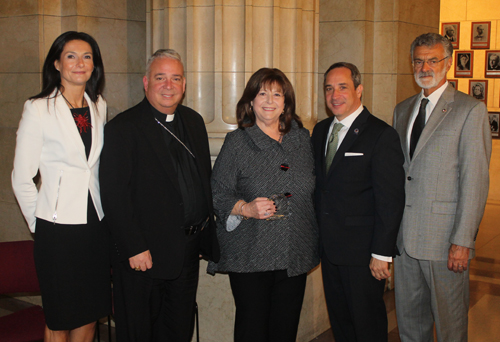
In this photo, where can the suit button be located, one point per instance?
(409, 178)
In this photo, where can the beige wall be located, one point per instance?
(376, 36)
(465, 12)
(223, 42)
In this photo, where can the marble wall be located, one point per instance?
(223, 42)
(375, 35)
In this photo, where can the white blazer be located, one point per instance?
(48, 141)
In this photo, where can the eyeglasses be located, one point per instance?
(418, 63)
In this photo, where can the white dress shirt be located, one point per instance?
(433, 100)
(347, 122)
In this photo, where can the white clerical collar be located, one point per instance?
(170, 117)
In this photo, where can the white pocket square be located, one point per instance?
(353, 154)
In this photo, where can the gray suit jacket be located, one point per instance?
(447, 180)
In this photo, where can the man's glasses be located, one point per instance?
(418, 63)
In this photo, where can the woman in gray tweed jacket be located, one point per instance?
(263, 183)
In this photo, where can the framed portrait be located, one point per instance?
(492, 63)
(478, 89)
(463, 63)
(454, 83)
(452, 32)
(494, 118)
(480, 35)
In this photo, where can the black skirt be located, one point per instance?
(73, 268)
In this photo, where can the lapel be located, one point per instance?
(152, 132)
(69, 129)
(197, 146)
(403, 126)
(442, 109)
(351, 136)
(323, 133)
(96, 131)
(193, 135)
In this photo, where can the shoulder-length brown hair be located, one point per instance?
(263, 78)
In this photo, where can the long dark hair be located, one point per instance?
(266, 77)
(52, 77)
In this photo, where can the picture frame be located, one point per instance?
(454, 83)
(464, 60)
(452, 32)
(494, 119)
(492, 63)
(479, 90)
(480, 35)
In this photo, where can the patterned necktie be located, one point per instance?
(418, 126)
(333, 141)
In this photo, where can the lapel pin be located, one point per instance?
(356, 131)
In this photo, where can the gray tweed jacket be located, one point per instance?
(249, 166)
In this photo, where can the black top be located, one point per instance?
(195, 206)
(84, 126)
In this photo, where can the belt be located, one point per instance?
(191, 230)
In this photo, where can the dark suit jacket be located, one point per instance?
(141, 197)
(360, 202)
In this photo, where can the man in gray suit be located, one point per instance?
(446, 140)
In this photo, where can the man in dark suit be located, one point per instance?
(359, 204)
(155, 187)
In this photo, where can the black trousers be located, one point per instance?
(268, 305)
(355, 303)
(156, 310)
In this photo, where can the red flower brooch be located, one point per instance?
(82, 122)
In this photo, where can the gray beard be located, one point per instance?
(429, 84)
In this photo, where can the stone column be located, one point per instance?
(375, 35)
(222, 42)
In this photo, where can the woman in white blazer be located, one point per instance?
(60, 136)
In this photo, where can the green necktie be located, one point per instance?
(333, 141)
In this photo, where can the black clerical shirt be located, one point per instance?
(195, 202)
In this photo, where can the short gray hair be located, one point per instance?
(430, 39)
(162, 53)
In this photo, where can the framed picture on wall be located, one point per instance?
(492, 63)
(480, 35)
(478, 89)
(494, 121)
(452, 32)
(463, 63)
(454, 83)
